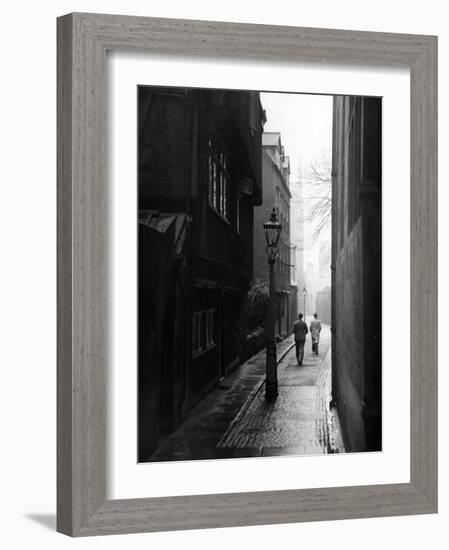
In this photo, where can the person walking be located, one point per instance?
(315, 329)
(300, 330)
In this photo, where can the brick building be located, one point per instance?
(199, 179)
(297, 236)
(276, 193)
(356, 274)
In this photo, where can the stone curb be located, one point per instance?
(249, 400)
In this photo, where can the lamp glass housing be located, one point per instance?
(272, 229)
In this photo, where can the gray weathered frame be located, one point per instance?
(83, 40)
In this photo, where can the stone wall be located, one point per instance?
(357, 270)
(349, 338)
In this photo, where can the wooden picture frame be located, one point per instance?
(83, 40)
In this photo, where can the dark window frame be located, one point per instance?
(218, 179)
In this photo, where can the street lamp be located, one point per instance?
(272, 229)
(304, 294)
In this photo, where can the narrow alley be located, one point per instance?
(235, 420)
(250, 215)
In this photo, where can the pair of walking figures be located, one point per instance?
(300, 331)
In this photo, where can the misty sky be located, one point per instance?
(305, 124)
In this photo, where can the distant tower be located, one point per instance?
(324, 264)
(311, 279)
(297, 232)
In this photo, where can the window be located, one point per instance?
(282, 306)
(212, 175)
(203, 331)
(197, 331)
(237, 213)
(218, 177)
(254, 110)
(210, 327)
(223, 186)
(282, 259)
(277, 202)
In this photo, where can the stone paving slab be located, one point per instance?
(199, 435)
(234, 421)
(299, 421)
(294, 419)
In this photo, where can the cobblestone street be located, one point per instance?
(299, 421)
(234, 420)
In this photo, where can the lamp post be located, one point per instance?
(304, 294)
(272, 229)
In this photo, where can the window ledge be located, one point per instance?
(201, 352)
(223, 218)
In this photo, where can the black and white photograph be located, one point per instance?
(222, 249)
(259, 276)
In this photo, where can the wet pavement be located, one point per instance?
(299, 422)
(234, 420)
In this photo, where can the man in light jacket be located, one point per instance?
(315, 329)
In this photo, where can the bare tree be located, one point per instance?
(317, 196)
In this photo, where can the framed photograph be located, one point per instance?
(247, 274)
